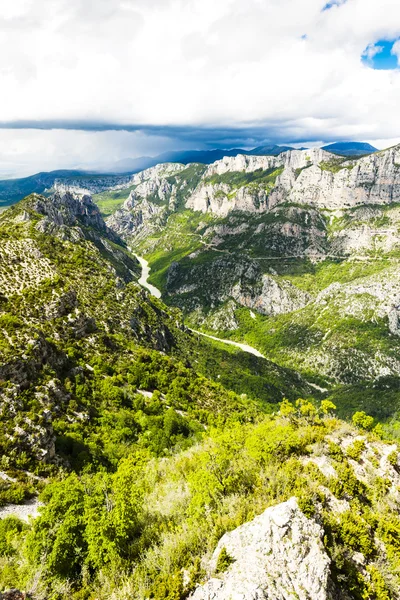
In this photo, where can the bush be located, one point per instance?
(363, 421)
(224, 561)
(355, 450)
(10, 530)
(393, 459)
(168, 587)
(356, 533)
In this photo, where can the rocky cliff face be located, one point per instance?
(235, 278)
(314, 177)
(136, 216)
(66, 213)
(279, 555)
(311, 177)
(270, 297)
(307, 240)
(156, 194)
(86, 185)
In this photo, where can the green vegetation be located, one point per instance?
(88, 341)
(335, 165)
(136, 530)
(224, 561)
(147, 442)
(355, 450)
(109, 201)
(238, 179)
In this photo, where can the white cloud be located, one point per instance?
(201, 62)
(372, 50)
(396, 51)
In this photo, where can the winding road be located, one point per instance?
(156, 292)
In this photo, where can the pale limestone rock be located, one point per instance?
(277, 556)
(159, 171)
(374, 179)
(272, 298)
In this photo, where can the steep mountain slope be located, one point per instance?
(161, 474)
(295, 254)
(80, 337)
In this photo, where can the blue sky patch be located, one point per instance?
(333, 3)
(383, 55)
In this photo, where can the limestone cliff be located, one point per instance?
(314, 177)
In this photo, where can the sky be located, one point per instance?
(85, 83)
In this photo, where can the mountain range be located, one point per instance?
(162, 462)
(113, 174)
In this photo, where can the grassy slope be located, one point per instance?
(109, 202)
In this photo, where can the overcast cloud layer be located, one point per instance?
(280, 70)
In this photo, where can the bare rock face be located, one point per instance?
(221, 199)
(65, 213)
(374, 179)
(277, 556)
(134, 215)
(157, 172)
(147, 202)
(272, 298)
(313, 177)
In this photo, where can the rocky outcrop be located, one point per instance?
(271, 297)
(157, 173)
(147, 202)
(374, 179)
(314, 177)
(66, 213)
(221, 200)
(91, 185)
(277, 556)
(241, 280)
(134, 216)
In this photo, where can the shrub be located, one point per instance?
(362, 420)
(355, 450)
(10, 530)
(224, 561)
(356, 533)
(393, 459)
(168, 587)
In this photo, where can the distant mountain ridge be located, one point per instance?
(193, 156)
(350, 148)
(112, 175)
(13, 190)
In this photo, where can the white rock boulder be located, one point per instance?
(277, 556)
